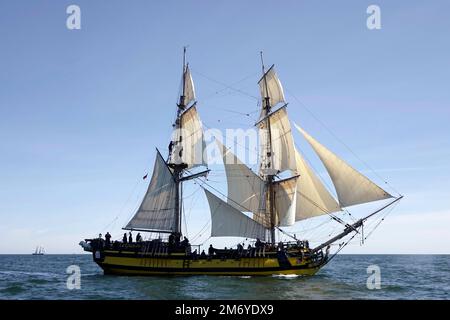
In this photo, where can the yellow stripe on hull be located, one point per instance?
(167, 266)
(300, 272)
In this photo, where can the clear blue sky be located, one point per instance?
(81, 111)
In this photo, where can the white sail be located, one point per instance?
(157, 210)
(192, 143)
(273, 90)
(227, 221)
(352, 187)
(189, 90)
(286, 201)
(283, 156)
(244, 186)
(313, 199)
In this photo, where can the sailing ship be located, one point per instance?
(39, 251)
(256, 205)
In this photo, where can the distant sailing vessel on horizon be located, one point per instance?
(39, 251)
(270, 201)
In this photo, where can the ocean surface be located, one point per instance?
(345, 277)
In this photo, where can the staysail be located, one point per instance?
(302, 197)
(244, 186)
(352, 187)
(157, 210)
(313, 198)
(227, 221)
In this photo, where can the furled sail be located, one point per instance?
(244, 186)
(313, 199)
(351, 186)
(227, 221)
(157, 210)
(286, 201)
(190, 149)
(270, 86)
(189, 91)
(283, 156)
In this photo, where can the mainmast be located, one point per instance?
(269, 177)
(178, 168)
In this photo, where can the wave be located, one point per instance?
(285, 276)
(28, 273)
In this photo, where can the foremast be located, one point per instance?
(186, 146)
(161, 208)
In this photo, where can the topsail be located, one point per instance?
(192, 142)
(270, 87)
(187, 139)
(188, 89)
(282, 156)
(286, 201)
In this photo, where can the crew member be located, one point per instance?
(177, 239)
(171, 240)
(211, 250)
(107, 239)
(185, 242)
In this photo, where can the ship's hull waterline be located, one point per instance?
(123, 263)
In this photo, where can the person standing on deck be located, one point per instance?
(107, 239)
(130, 238)
(124, 239)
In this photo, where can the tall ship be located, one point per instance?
(258, 204)
(39, 251)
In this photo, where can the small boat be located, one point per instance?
(39, 251)
(257, 204)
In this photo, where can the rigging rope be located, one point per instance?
(228, 86)
(381, 220)
(342, 142)
(122, 208)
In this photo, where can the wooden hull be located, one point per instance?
(123, 263)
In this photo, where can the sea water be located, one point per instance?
(345, 277)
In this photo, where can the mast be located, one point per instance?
(269, 178)
(179, 168)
